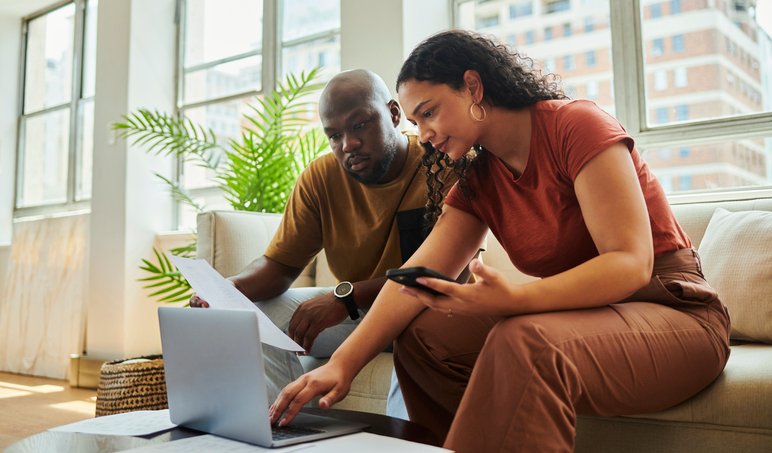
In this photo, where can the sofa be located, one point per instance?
(734, 238)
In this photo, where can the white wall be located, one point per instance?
(381, 45)
(135, 68)
(10, 37)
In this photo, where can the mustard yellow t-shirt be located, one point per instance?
(363, 229)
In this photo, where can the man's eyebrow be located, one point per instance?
(418, 107)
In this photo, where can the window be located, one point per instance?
(549, 66)
(512, 40)
(592, 90)
(682, 112)
(485, 22)
(555, 6)
(657, 47)
(662, 116)
(589, 58)
(57, 116)
(678, 43)
(520, 9)
(225, 65)
(547, 33)
(680, 77)
(589, 24)
(567, 30)
(660, 80)
(529, 37)
(568, 63)
(677, 97)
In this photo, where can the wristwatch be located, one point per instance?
(344, 292)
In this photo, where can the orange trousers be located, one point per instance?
(516, 384)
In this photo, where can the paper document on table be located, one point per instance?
(208, 442)
(138, 423)
(219, 293)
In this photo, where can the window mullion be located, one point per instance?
(75, 92)
(20, 127)
(271, 45)
(627, 61)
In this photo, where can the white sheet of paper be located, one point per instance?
(137, 423)
(371, 443)
(208, 442)
(213, 288)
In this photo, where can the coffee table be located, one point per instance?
(49, 441)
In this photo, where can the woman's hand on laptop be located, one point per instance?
(329, 380)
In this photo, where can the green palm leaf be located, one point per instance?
(256, 171)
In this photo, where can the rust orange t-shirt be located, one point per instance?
(537, 217)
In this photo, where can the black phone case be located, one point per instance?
(407, 276)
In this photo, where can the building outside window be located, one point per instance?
(57, 110)
(731, 80)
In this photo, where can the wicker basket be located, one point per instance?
(131, 385)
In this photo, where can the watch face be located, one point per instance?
(343, 289)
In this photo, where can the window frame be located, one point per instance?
(271, 68)
(74, 106)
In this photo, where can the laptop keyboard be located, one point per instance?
(290, 432)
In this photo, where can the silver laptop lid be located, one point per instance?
(215, 381)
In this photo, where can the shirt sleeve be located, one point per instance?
(584, 130)
(299, 236)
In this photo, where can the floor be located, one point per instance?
(29, 405)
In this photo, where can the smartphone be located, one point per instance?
(406, 276)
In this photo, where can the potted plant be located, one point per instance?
(255, 172)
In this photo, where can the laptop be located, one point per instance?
(215, 379)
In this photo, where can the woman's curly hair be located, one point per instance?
(509, 78)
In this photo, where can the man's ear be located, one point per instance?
(395, 112)
(474, 85)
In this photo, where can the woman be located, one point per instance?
(621, 321)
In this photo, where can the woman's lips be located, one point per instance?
(441, 146)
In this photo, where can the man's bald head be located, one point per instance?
(353, 88)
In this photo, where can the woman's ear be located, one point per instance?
(474, 85)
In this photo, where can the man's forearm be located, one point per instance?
(264, 279)
(366, 291)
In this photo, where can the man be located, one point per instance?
(363, 204)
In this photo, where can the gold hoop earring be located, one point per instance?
(481, 116)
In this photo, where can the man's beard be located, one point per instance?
(379, 171)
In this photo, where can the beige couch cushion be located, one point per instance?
(737, 260)
(733, 399)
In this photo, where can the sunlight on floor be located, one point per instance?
(32, 388)
(9, 393)
(83, 407)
